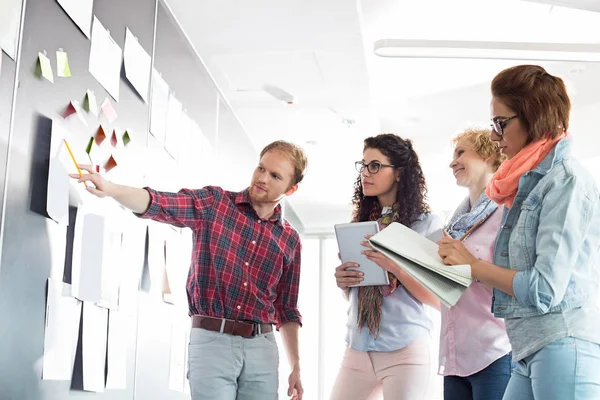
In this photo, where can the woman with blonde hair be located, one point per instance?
(474, 348)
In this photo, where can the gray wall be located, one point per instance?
(7, 85)
(28, 248)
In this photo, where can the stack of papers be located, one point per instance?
(418, 256)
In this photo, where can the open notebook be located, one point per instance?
(418, 256)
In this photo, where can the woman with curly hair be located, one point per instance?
(388, 327)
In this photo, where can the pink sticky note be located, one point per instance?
(113, 139)
(108, 110)
(73, 108)
(69, 110)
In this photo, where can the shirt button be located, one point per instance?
(254, 242)
(247, 264)
(259, 221)
(239, 307)
(245, 283)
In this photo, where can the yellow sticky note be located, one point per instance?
(62, 64)
(45, 67)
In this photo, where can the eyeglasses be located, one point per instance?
(373, 167)
(499, 123)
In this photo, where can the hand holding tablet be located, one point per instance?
(349, 237)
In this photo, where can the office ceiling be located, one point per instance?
(321, 52)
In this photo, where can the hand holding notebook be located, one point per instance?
(418, 256)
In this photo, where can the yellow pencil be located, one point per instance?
(74, 161)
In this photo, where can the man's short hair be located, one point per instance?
(296, 155)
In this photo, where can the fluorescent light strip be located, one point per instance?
(572, 52)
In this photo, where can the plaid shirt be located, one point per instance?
(243, 268)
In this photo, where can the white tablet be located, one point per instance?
(349, 237)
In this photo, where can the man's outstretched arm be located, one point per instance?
(135, 199)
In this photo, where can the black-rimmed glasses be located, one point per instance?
(499, 123)
(373, 167)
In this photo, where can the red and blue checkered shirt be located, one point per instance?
(243, 268)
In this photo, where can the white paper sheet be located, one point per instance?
(138, 64)
(80, 12)
(105, 59)
(175, 122)
(57, 202)
(62, 331)
(157, 234)
(111, 265)
(88, 251)
(177, 368)
(160, 104)
(95, 332)
(133, 251)
(57, 243)
(10, 19)
(178, 258)
(198, 156)
(117, 350)
(162, 172)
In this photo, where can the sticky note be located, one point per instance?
(69, 110)
(89, 102)
(45, 69)
(62, 64)
(100, 136)
(113, 138)
(126, 138)
(74, 108)
(110, 164)
(108, 110)
(90, 144)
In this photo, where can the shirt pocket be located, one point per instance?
(527, 228)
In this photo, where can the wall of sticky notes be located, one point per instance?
(163, 129)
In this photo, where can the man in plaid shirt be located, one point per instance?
(244, 274)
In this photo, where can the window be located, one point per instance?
(308, 303)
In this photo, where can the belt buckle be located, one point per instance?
(256, 330)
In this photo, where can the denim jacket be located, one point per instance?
(551, 237)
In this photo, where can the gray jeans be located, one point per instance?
(227, 367)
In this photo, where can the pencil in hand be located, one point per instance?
(74, 161)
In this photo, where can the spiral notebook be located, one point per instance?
(418, 256)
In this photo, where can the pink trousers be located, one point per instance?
(400, 375)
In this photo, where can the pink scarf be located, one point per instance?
(503, 186)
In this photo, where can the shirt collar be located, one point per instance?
(557, 154)
(243, 197)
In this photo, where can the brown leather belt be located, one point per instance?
(236, 328)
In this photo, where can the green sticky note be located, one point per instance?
(88, 149)
(45, 69)
(89, 102)
(126, 138)
(62, 64)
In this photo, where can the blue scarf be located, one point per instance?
(466, 216)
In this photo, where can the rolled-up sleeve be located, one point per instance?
(563, 224)
(286, 304)
(185, 208)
